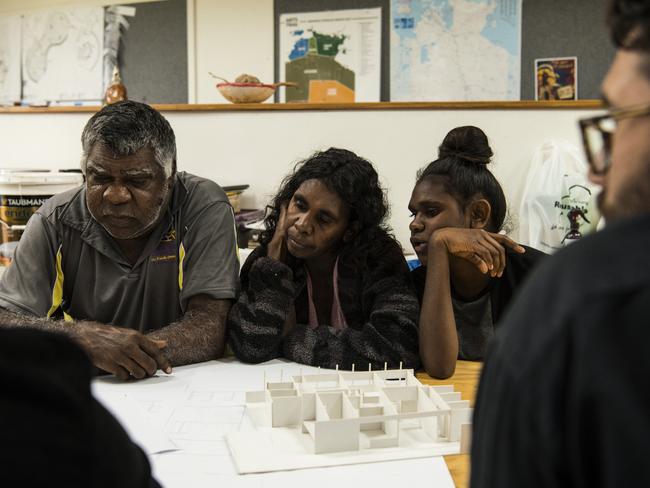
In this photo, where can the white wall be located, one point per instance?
(231, 38)
(22, 6)
(259, 148)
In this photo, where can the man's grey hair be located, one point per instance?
(126, 127)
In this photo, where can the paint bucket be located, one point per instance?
(22, 192)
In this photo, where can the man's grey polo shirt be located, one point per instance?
(67, 265)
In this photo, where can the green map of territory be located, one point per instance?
(313, 59)
(328, 45)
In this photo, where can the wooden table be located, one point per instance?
(465, 380)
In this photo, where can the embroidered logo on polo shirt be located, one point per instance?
(170, 236)
(166, 250)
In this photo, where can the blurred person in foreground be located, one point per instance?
(564, 397)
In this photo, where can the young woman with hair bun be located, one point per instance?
(469, 270)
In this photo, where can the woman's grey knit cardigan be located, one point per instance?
(377, 300)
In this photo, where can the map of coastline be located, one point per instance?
(10, 83)
(455, 49)
(62, 54)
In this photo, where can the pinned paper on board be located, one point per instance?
(332, 56)
(62, 53)
(10, 59)
(556, 79)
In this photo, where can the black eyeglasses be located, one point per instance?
(598, 132)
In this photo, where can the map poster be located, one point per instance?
(9, 59)
(62, 54)
(333, 56)
(556, 79)
(457, 50)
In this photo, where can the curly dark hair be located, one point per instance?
(353, 179)
(629, 23)
(461, 167)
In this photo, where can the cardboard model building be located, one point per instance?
(363, 416)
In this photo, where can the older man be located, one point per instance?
(564, 399)
(139, 266)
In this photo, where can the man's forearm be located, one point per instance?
(12, 319)
(200, 335)
(121, 351)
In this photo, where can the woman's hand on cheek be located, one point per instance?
(277, 248)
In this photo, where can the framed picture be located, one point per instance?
(556, 79)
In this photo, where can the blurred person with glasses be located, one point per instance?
(563, 398)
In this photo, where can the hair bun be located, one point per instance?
(468, 143)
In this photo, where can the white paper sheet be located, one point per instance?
(142, 429)
(182, 470)
(197, 406)
(62, 54)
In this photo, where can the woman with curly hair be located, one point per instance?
(328, 286)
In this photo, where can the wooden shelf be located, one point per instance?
(262, 107)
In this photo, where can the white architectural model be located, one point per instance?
(361, 416)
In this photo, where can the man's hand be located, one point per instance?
(123, 352)
(485, 250)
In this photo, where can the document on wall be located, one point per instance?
(333, 56)
(9, 59)
(62, 54)
(455, 50)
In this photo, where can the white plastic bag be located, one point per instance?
(558, 204)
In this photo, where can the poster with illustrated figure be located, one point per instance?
(62, 54)
(9, 59)
(556, 79)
